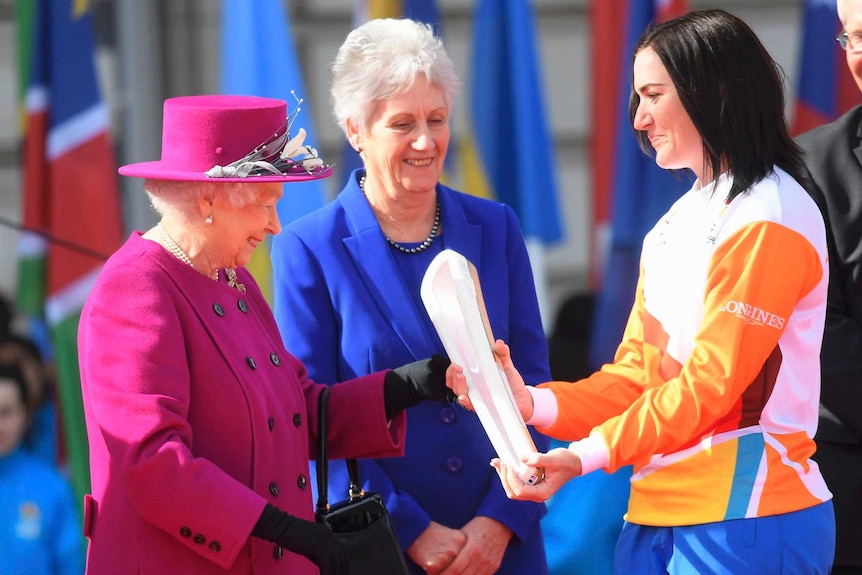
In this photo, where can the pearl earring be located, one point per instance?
(209, 219)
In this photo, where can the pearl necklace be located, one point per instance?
(177, 251)
(172, 246)
(421, 247)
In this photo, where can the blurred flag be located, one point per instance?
(508, 153)
(420, 10)
(259, 59)
(630, 192)
(71, 202)
(508, 116)
(826, 87)
(32, 248)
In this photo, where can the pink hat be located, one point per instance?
(230, 139)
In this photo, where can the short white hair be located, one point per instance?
(841, 6)
(381, 59)
(181, 197)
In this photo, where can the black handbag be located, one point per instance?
(361, 522)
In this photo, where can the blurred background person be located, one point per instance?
(833, 155)
(41, 438)
(712, 394)
(16, 349)
(347, 281)
(40, 525)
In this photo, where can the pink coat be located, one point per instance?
(197, 417)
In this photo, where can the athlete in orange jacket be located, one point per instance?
(713, 392)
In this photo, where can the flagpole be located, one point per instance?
(141, 77)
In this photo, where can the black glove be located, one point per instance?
(409, 384)
(312, 540)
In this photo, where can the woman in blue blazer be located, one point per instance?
(347, 301)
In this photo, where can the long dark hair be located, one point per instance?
(731, 89)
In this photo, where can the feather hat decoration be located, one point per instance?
(231, 139)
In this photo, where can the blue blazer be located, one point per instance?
(344, 310)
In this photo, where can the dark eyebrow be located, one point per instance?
(649, 85)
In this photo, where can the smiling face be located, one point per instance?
(241, 228)
(405, 140)
(661, 115)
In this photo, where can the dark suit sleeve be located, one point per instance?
(841, 354)
(833, 158)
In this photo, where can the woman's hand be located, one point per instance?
(482, 554)
(457, 382)
(417, 381)
(307, 538)
(436, 548)
(560, 466)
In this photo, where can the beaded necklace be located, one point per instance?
(172, 246)
(177, 251)
(421, 247)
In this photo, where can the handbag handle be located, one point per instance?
(355, 490)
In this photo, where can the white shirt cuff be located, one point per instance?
(544, 407)
(593, 452)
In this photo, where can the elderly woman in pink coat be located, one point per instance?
(200, 423)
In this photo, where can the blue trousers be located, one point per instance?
(584, 521)
(798, 543)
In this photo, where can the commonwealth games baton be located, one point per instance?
(453, 297)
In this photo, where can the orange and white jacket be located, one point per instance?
(713, 392)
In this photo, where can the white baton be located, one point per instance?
(453, 297)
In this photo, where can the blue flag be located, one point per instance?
(507, 110)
